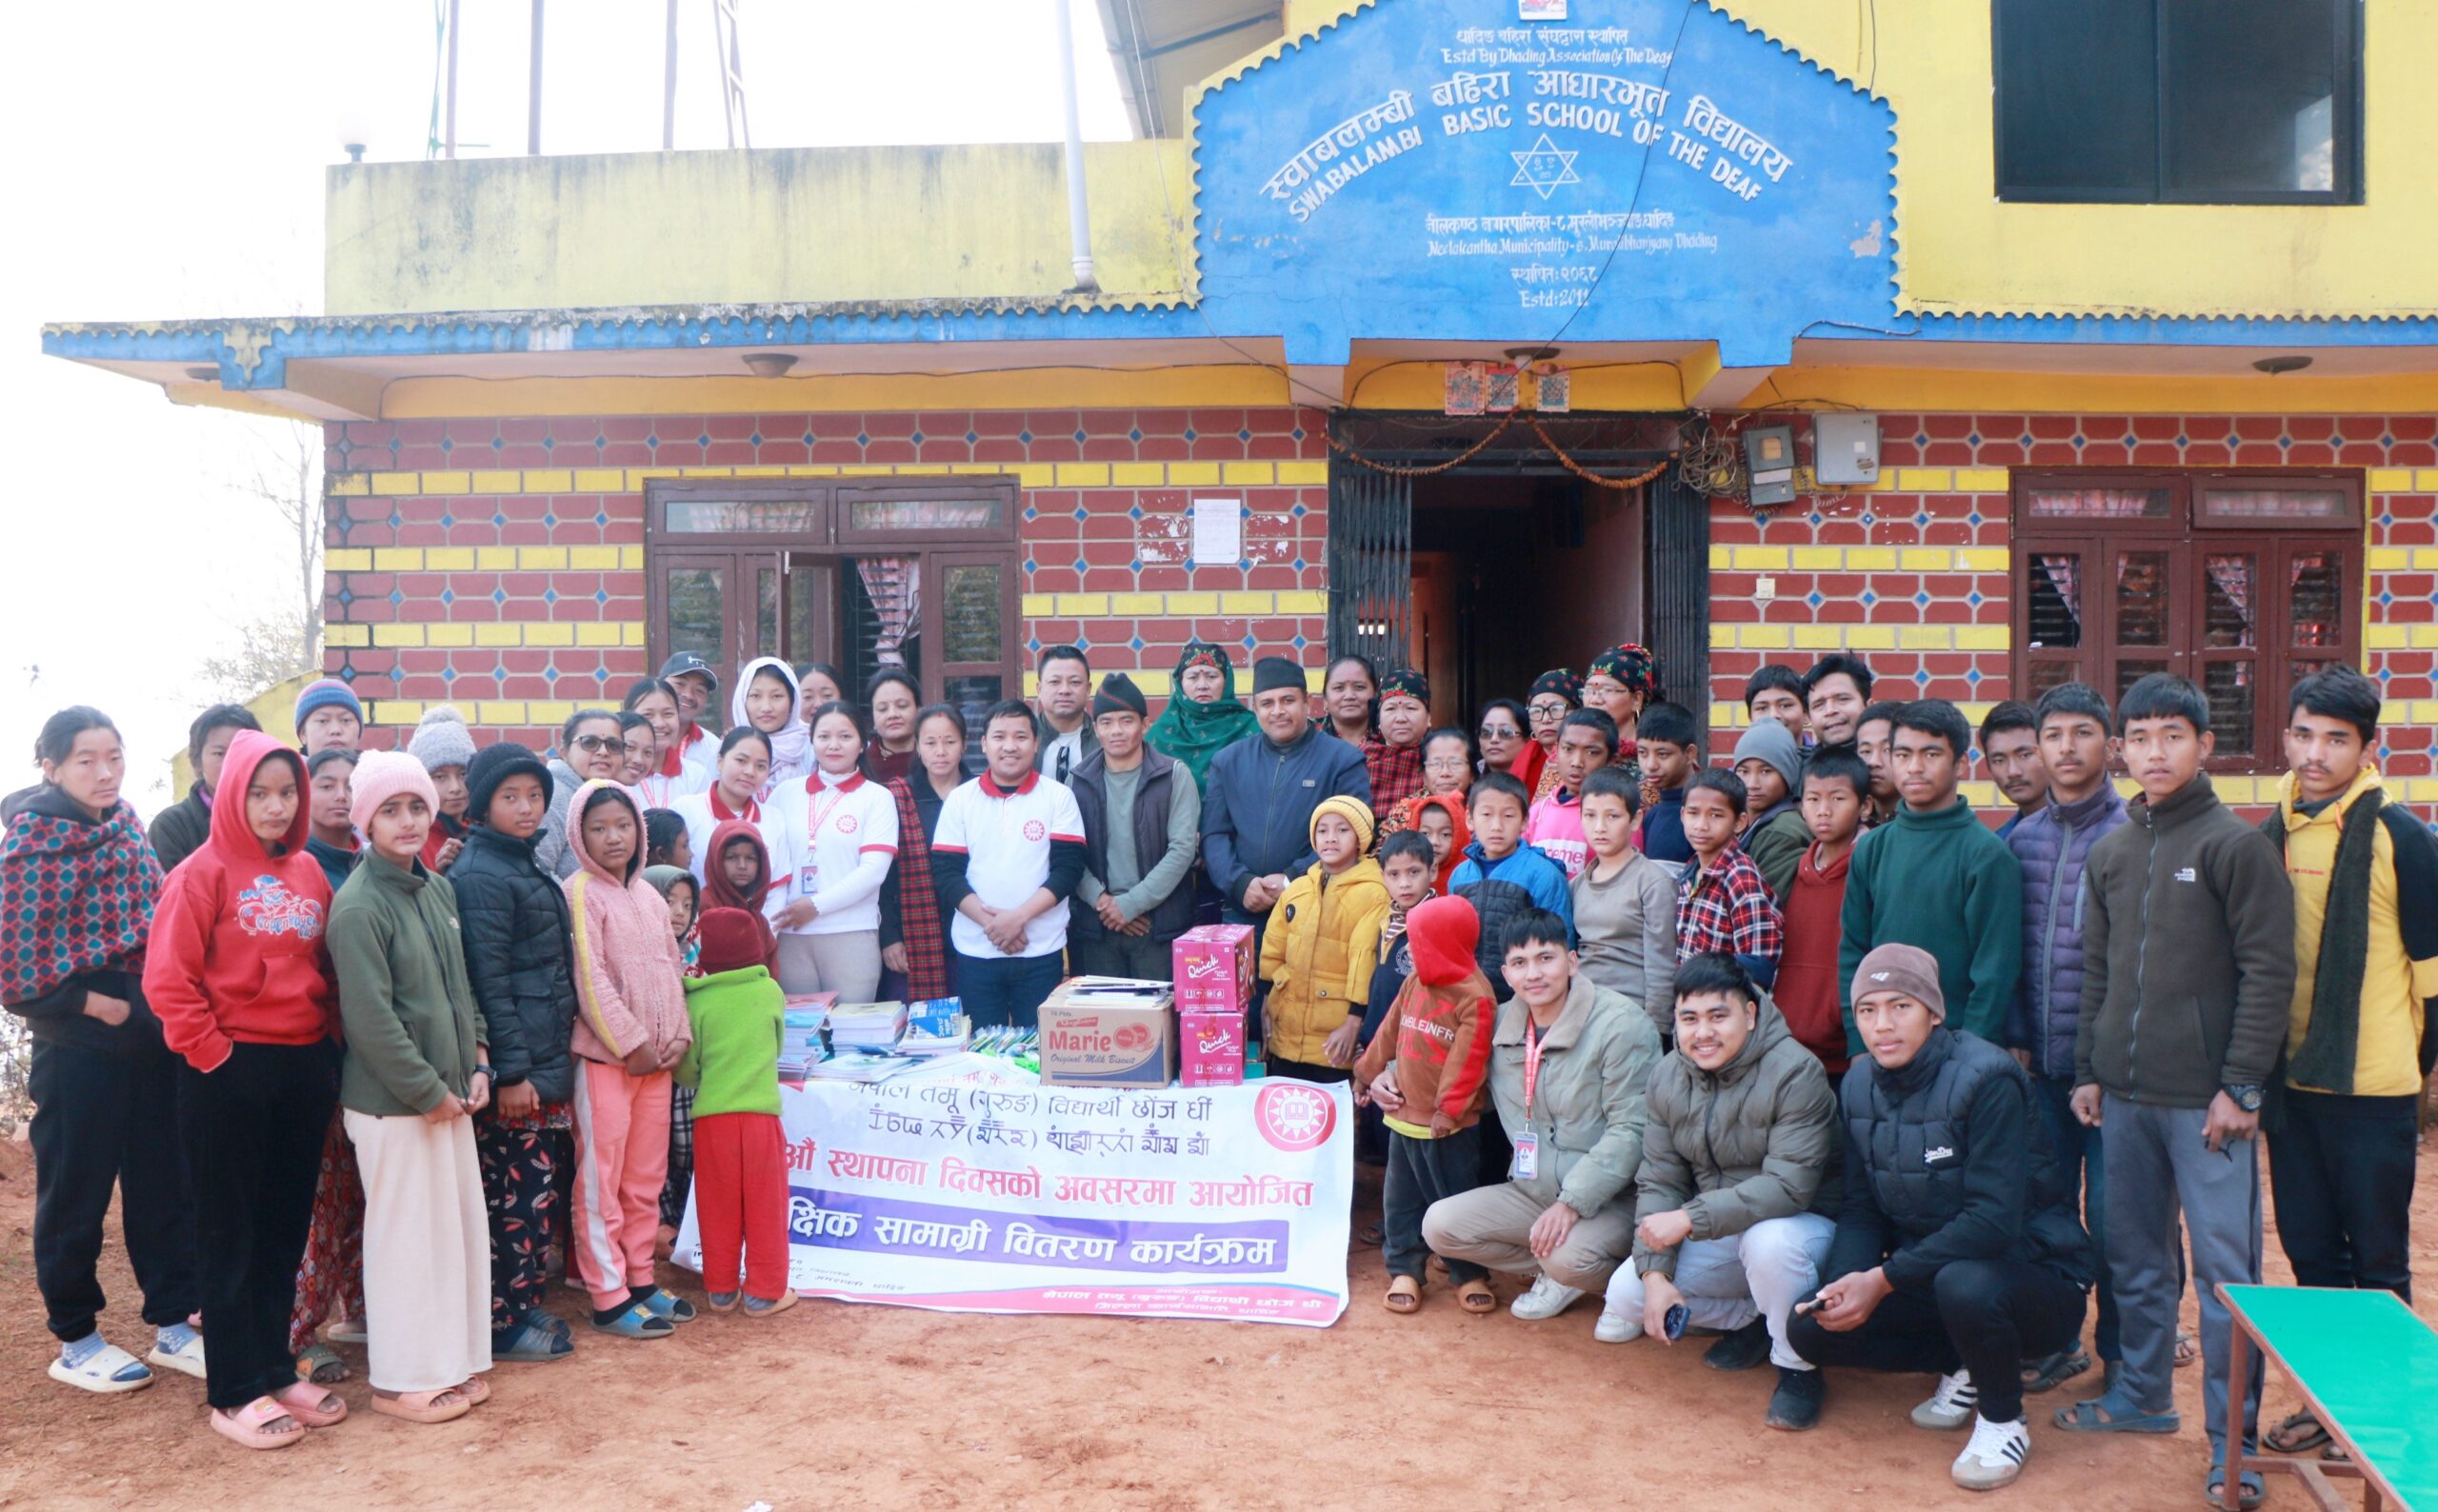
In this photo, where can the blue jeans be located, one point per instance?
(1006, 990)
(2080, 1150)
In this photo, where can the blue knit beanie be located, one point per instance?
(325, 693)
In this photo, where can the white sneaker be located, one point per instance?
(1994, 1457)
(1617, 1327)
(1951, 1405)
(1545, 1300)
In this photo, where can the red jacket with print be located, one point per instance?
(237, 951)
(1443, 1019)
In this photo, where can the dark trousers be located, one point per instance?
(2341, 1174)
(2081, 1150)
(1988, 1316)
(103, 1120)
(253, 1129)
(1305, 1072)
(1149, 958)
(1419, 1173)
(525, 1192)
(1005, 989)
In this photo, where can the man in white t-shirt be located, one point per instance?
(1008, 854)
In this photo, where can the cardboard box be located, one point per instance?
(1211, 1049)
(1213, 964)
(1091, 1045)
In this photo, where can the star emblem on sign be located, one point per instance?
(1545, 167)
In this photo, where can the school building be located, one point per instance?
(1999, 343)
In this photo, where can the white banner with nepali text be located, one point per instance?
(993, 1195)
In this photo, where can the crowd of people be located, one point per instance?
(1782, 1041)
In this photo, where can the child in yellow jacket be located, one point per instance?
(1322, 943)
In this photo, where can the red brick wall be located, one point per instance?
(1914, 574)
(497, 564)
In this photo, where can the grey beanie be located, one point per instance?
(441, 738)
(1771, 741)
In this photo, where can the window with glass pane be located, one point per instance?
(2054, 608)
(972, 697)
(2229, 686)
(2142, 598)
(2262, 507)
(696, 607)
(923, 514)
(970, 601)
(2098, 504)
(2226, 616)
(694, 516)
(2315, 598)
(2191, 101)
(766, 611)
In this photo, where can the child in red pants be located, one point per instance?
(740, 1155)
(630, 1031)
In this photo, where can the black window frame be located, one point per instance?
(2348, 125)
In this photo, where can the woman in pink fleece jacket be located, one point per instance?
(630, 1031)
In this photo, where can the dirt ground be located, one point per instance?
(839, 1405)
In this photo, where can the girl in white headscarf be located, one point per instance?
(766, 698)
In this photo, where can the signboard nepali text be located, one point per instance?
(1198, 1202)
(1652, 170)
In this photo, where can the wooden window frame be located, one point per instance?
(2184, 541)
(744, 553)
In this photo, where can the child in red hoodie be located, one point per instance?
(1836, 790)
(1440, 1046)
(239, 974)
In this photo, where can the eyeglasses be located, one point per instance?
(597, 744)
(1445, 764)
(1544, 713)
(1603, 688)
(1500, 732)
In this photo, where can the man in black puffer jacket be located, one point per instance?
(518, 960)
(1958, 1249)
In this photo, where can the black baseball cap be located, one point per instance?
(686, 664)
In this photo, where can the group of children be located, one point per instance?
(414, 1068)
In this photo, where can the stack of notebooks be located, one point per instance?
(873, 1027)
(936, 1027)
(1114, 992)
(800, 1044)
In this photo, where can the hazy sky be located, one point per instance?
(165, 160)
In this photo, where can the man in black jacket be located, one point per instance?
(1954, 1252)
(1257, 805)
(513, 922)
(1142, 829)
(179, 830)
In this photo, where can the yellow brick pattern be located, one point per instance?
(487, 634)
(1312, 474)
(1869, 637)
(1872, 558)
(1181, 605)
(487, 558)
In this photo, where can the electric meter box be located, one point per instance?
(1844, 448)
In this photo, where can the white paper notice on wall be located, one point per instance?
(1218, 531)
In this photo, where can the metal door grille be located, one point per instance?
(1371, 564)
(1678, 555)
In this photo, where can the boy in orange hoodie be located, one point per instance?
(1440, 1047)
(631, 1032)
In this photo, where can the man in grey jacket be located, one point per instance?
(1142, 829)
(1569, 1064)
(1736, 1198)
(2187, 979)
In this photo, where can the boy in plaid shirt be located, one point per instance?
(1723, 908)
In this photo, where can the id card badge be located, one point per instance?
(1528, 1158)
(804, 879)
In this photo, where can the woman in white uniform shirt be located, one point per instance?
(833, 839)
(673, 774)
(743, 768)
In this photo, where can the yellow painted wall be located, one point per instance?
(821, 224)
(1961, 251)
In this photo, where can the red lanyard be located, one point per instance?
(1531, 1064)
(822, 811)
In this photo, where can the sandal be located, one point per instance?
(2252, 1489)
(635, 1321)
(2187, 1350)
(2054, 1371)
(666, 1305)
(253, 1424)
(1405, 1295)
(2299, 1434)
(106, 1370)
(2100, 1414)
(312, 1405)
(321, 1364)
(770, 1307)
(531, 1344)
(1370, 1236)
(348, 1331)
(549, 1321)
(443, 1406)
(475, 1390)
(1476, 1296)
(721, 1301)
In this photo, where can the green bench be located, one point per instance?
(2368, 1368)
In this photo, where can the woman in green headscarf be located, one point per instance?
(1202, 715)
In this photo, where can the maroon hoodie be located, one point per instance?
(237, 950)
(1806, 990)
(1439, 1028)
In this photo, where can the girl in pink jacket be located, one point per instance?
(630, 1031)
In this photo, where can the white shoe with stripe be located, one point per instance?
(1994, 1457)
(1951, 1406)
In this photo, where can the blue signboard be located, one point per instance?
(1640, 170)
